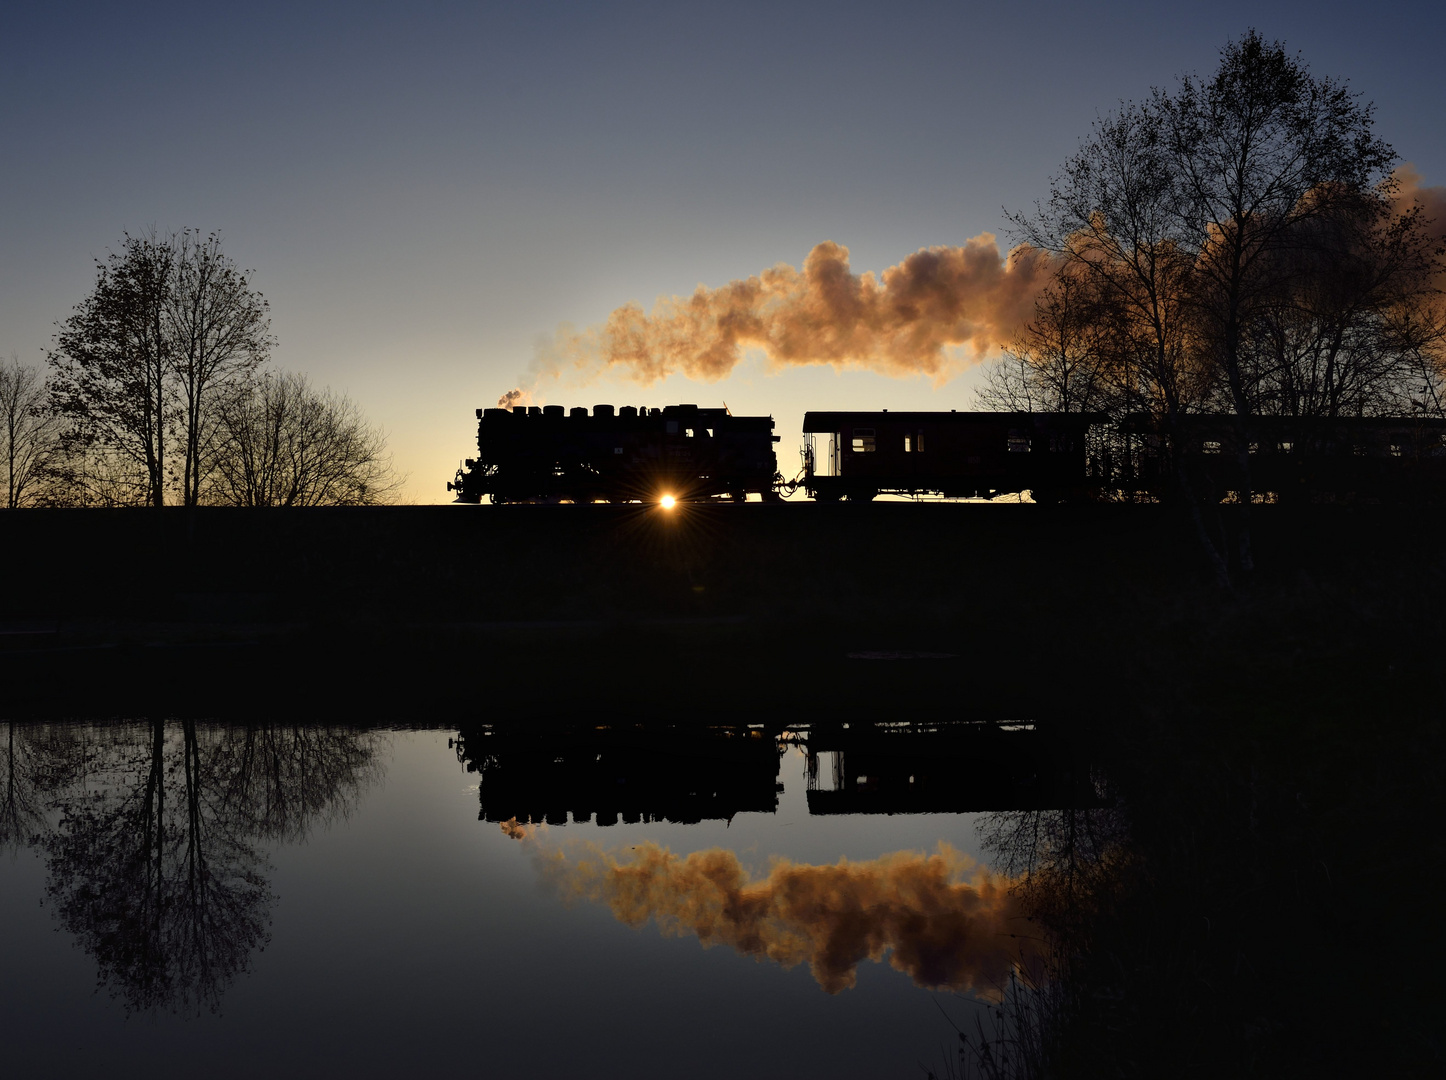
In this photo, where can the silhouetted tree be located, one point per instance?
(113, 361)
(1261, 157)
(282, 442)
(29, 432)
(221, 334)
(1059, 362)
(1352, 328)
(170, 325)
(1246, 254)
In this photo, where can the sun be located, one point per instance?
(668, 502)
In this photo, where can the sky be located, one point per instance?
(426, 192)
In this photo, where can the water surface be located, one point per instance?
(252, 899)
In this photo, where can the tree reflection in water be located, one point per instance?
(1064, 861)
(35, 760)
(153, 858)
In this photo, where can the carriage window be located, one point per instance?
(1395, 450)
(1287, 446)
(919, 442)
(1212, 446)
(908, 445)
(1019, 444)
(863, 441)
(672, 427)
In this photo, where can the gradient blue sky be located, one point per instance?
(426, 189)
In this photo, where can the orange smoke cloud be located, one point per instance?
(940, 930)
(910, 320)
(1431, 199)
(514, 830)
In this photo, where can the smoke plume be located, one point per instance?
(929, 315)
(515, 399)
(1431, 199)
(939, 929)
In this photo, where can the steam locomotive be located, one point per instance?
(688, 453)
(629, 454)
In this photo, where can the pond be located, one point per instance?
(601, 900)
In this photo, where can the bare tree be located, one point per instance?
(1111, 225)
(1258, 155)
(282, 442)
(1354, 328)
(29, 431)
(1058, 363)
(1242, 237)
(113, 358)
(220, 335)
(171, 324)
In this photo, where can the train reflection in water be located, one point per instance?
(629, 773)
(641, 773)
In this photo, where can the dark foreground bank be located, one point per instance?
(709, 608)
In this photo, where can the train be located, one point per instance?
(689, 453)
(631, 772)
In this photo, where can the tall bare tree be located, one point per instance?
(1244, 237)
(220, 335)
(1111, 225)
(1257, 155)
(29, 431)
(113, 359)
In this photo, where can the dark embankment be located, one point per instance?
(712, 609)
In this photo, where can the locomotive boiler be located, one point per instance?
(681, 452)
